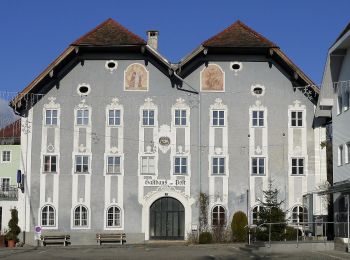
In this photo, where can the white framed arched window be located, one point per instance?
(113, 216)
(48, 216)
(218, 216)
(299, 214)
(80, 216)
(255, 214)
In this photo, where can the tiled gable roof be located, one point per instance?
(109, 33)
(238, 35)
(11, 130)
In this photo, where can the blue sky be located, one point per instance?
(34, 33)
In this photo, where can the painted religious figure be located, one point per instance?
(212, 78)
(136, 78)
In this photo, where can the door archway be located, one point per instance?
(167, 219)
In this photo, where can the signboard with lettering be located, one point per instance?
(162, 182)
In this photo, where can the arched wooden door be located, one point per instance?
(167, 219)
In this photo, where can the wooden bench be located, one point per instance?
(55, 239)
(111, 237)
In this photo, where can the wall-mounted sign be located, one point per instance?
(164, 140)
(162, 182)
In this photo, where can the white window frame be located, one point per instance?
(347, 153)
(218, 166)
(8, 156)
(180, 117)
(114, 217)
(340, 155)
(147, 117)
(339, 104)
(5, 188)
(258, 172)
(258, 118)
(48, 214)
(148, 171)
(256, 211)
(83, 117)
(218, 121)
(51, 119)
(221, 210)
(297, 118)
(298, 166)
(81, 164)
(80, 219)
(114, 118)
(114, 165)
(181, 162)
(300, 213)
(50, 163)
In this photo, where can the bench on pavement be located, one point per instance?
(111, 237)
(55, 239)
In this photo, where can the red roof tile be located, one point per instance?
(109, 33)
(238, 35)
(11, 130)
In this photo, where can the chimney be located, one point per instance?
(152, 39)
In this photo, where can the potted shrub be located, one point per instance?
(14, 230)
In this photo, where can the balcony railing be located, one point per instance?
(8, 192)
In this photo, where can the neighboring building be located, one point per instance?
(333, 108)
(10, 150)
(118, 138)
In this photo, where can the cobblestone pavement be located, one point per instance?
(168, 252)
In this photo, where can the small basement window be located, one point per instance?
(83, 89)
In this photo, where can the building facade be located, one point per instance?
(119, 139)
(333, 108)
(10, 150)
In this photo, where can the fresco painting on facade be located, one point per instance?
(212, 78)
(136, 78)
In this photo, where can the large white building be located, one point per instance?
(119, 139)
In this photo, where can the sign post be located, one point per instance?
(37, 233)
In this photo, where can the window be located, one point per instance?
(81, 164)
(297, 166)
(218, 216)
(180, 165)
(347, 155)
(80, 216)
(258, 118)
(218, 118)
(148, 117)
(50, 163)
(340, 104)
(218, 165)
(180, 117)
(114, 117)
(6, 156)
(340, 155)
(147, 165)
(113, 164)
(51, 117)
(5, 184)
(296, 118)
(82, 117)
(48, 216)
(256, 214)
(346, 100)
(113, 217)
(258, 166)
(299, 214)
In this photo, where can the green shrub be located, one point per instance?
(238, 226)
(290, 233)
(205, 238)
(14, 229)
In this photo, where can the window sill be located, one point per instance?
(258, 175)
(180, 174)
(300, 175)
(113, 173)
(218, 175)
(147, 174)
(50, 172)
(82, 173)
